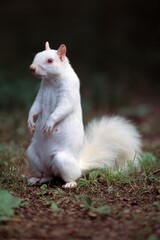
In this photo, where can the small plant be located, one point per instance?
(54, 207)
(148, 161)
(156, 204)
(112, 176)
(12, 164)
(83, 182)
(89, 179)
(110, 189)
(7, 205)
(89, 205)
(153, 237)
(57, 192)
(43, 190)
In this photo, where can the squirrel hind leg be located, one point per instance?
(69, 185)
(66, 166)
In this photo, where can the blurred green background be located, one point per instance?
(114, 47)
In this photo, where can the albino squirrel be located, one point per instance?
(59, 146)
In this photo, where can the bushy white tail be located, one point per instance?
(110, 142)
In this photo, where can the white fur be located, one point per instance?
(58, 146)
(58, 131)
(110, 142)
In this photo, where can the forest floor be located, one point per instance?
(103, 206)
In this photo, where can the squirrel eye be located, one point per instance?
(50, 60)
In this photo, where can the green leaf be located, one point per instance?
(157, 204)
(93, 175)
(102, 209)
(7, 204)
(83, 182)
(86, 200)
(152, 237)
(54, 207)
(43, 187)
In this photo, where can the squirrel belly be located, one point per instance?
(59, 146)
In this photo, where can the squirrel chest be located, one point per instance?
(49, 101)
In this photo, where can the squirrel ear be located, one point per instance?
(47, 47)
(62, 52)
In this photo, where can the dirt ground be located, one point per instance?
(133, 214)
(134, 209)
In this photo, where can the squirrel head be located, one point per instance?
(49, 62)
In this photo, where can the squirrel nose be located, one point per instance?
(33, 68)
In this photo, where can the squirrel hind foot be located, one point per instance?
(33, 181)
(69, 185)
(37, 181)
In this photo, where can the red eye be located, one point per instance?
(50, 60)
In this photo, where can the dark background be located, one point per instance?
(114, 47)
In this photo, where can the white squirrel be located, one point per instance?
(59, 145)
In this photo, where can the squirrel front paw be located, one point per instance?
(48, 126)
(31, 125)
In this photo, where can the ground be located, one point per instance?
(133, 214)
(113, 207)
